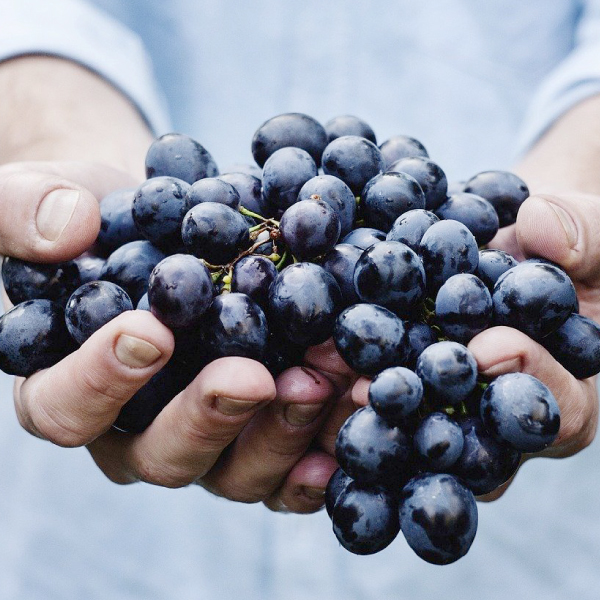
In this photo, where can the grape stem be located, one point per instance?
(254, 215)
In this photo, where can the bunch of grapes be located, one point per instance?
(329, 235)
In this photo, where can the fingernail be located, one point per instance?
(135, 353)
(512, 365)
(567, 222)
(301, 414)
(231, 407)
(55, 212)
(314, 493)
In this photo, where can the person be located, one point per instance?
(78, 87)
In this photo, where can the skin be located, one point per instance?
(234, 430)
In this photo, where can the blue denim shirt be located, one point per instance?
(477, 83)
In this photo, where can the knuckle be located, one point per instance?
(58, 428)
(232, 490)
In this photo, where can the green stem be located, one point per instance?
(254, 215)
(282, 260)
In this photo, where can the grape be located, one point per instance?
(93, 305)
(348, 125)
(180, 290)
(178, 155)
(448, 371)
(24, 280)
(410, 227)
(401, 146)
(214, 232)
(304, 301)
(387, 196)
(341, 261)
(117, 226)
(503, 190)
(438, 517)
(33, 336)
(428, 174)
(439, 441)
(418, 336)
(395, 393)
(576, 346)
(534, 297)
(337, 483)
(492, 264)
(473, 211)
(159, 206)
(242, 169)
(249, 189)
(463, 307)
(391, 275)
(371, 450)
(290, 129)
(310, 228)
(520, 410)
(365, 521)
(363, 237)
(213, 189)
(355, 160)
(370, 338)
(253, 275)
(90, 267)
(334, 192)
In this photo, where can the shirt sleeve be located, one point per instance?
(574, 79)
(77, 31)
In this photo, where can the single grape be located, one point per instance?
(428, 174)
(401, 146)
(213, 189)
(90, 267)
(492, 264)
(395, 393)
(243, 169)
(340, 261)
(253, 275)
(363, 237)
(249, 188)
(410, 227)
(117, 226)
(418, 336)
(337, 483)
(439, 441)
(348, 125)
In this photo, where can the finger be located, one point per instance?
(190, 433)
(506, 239)
(303, 490)
(73, 402)
(342, 408)
(325, 359)
(504, 350)
(273, 442)
(360, 392)
(563, 230)
(53, 217)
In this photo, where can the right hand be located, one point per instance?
(75, 402)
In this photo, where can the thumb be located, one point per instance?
(564, 230)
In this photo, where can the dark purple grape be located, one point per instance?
(249, 189)
(521, 411)
(371, 450)
(348, 125)
(334, 192)
(387, 196)
(281, 354)
(178, 155)
(438, 517)
(130, 266)
(90, 267)
(355, 160)
(401, 146)
(576, 346)
(363, 237)
(391, 275)
(473, 211)
(337, 483)
(463, 307)
(448, 248)
(310, 228)
(234, 325)
(439, 441)
(448, 371)
(117, 226)
(456, 187)
(290, 129)
(242, 169)
(253, 276)
(33, 336)
(365, 520)
(485, 463)
(370, 338)
(24, 280)
(215, 232)
(159, 206)
(213, 189)
(492, 264)
(503, 190)
(284, 174)
(410, 227)
(304, 301)
(395, 393)
(428, 174)
(340, 262)
(418, 336)
(93, 305)
(534, 297)
(180, 291)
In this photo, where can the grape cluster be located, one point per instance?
(329, 236)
